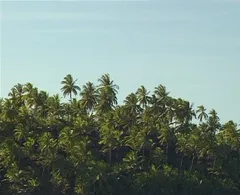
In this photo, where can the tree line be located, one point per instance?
(152, 144)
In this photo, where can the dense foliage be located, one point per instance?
(152, 144)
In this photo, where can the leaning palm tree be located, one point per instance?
(202, 113)
(69, 86)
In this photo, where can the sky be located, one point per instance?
(191, 47)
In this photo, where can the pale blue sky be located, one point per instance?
(190, 46)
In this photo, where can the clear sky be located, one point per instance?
(190, 46)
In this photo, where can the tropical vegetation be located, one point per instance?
(152, 144)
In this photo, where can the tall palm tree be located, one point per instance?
(69, 86)
(159, 100)
(142, 95)
(213, 121)
(107, 93)
(202, 113)
(89, 96)
(213, 114)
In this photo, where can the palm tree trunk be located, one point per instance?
(117, 150)
(149, 161)
(70, 191)
(167, 153)
(110, 156)
(192, 162)
(180, 169)
(143, 157)
(214, 163)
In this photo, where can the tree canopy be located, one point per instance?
(90, 145)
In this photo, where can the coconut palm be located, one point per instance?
(107, 94)
(9, 111)
(161, 93)
(184, 111)
(41, 105)
(131, 104)
(30, 94)
(16, 94)
(89, 96)
(213, 121)
(69, 86)
(202, 113)
(54, 105)
(142, 95)
(76, 108)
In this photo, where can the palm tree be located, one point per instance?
(202, 113)
(69, 86)
(9, 111)
(19, 89)
(16, 94)
(142, 95)
(230, 135)
(213, 121)
(66, 139)
(107, 92)
(161, 93)
(131, 104)
(160, 100)
(166, 137)
(109, 139)
(89, 96)
(47, 148)
(76, 108)
(30, 94)
(184, 111)
(189, 112)
(54, 105)
(20, 133)
(41, 103)
(13, 96)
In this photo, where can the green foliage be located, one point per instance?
(152, 144)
